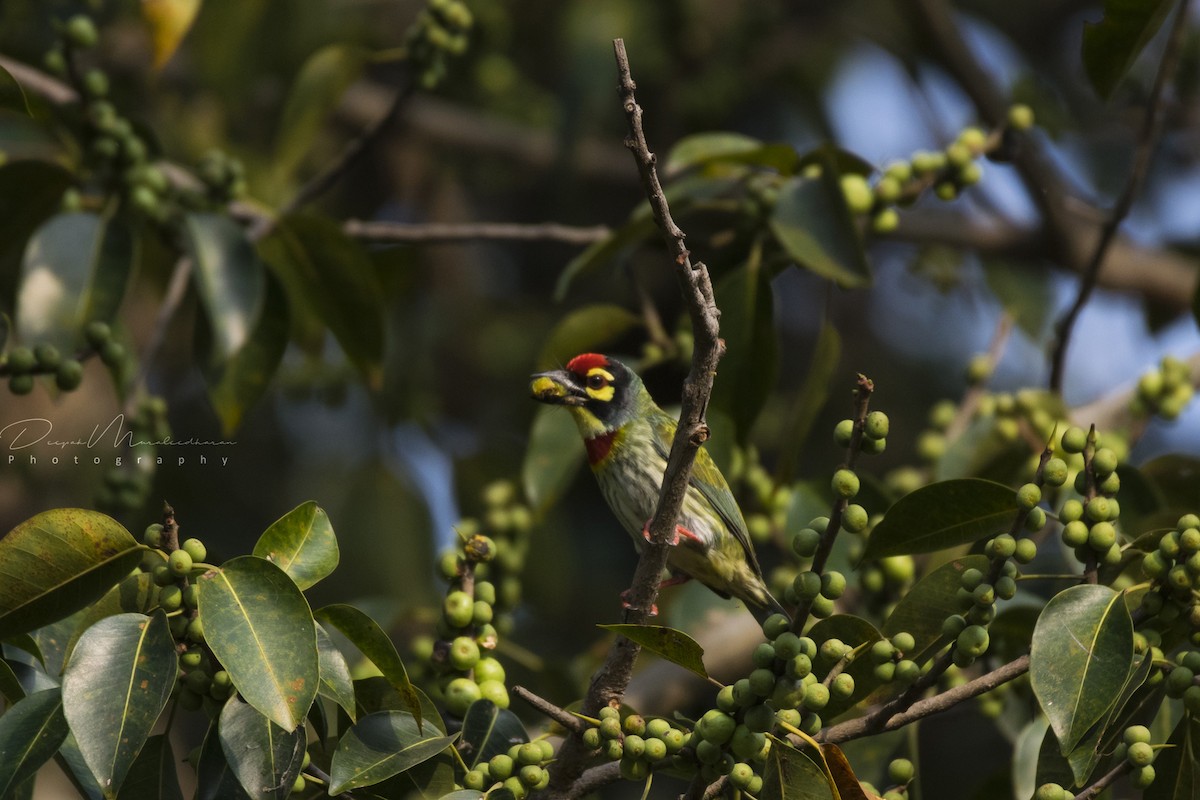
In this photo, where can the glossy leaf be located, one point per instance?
(265, 758)
(74, 271)
(153, 775)
(675, 646)
(58, 562)
(236, 383)
(258, 624)
(10, 685)
(379, 746)
(792, 775)
(328, 274)
(926, 605)
(12, 96)
(169, 22)
(726, 146)
(488, 730)
(116, 686)
(943, 515)
(1111, 45)
(1177, 767)
(229, 279)
(365, 634)
(813, 226)
(314, 93)
(136, 594)
(376, 693)
(1104, 735)
(214, 777)
(746, 374)
(1080, 658)
(30, 734)
(589, 329)
(336, 683)
(302, 544)
(553, 457)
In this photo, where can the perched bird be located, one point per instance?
(627, 438)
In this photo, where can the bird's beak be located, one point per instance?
(557, 388)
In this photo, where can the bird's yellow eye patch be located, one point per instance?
(599, 384)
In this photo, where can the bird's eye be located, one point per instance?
(596, 381)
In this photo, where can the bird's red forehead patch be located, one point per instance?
(580, 364)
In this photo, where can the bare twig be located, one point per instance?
(609, 683)
(1148, 136)
(562, 717)
(435, 233)
(595, 779)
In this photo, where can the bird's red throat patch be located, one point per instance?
(583, 362)
(598, 447)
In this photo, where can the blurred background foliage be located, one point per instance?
(524, 127)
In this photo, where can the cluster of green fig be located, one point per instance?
(23, 364)
(640, 745)
(521, 770)
(900, 774)
(1173, 568)
(1164, 391)
(768, 519)
(1135, 749)
(1088, 520)
(440, 32)
(127, 487)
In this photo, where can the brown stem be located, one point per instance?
(1104, 781)
(544, 706)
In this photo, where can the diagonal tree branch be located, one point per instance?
(609, 683)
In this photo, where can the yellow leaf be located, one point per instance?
(843, 775)
(169, 22)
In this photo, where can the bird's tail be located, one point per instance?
(763, 605)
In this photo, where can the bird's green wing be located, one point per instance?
(707, 479)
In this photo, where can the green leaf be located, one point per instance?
(365, 634)
(136, 594)
(488, 730)
(984, 451)
(747, 372)
(1177, 768)
(814, 226)
(943, 515)
(215, 779)
(236, 383)
(301, 543)
(258, 624)
(12, 96)
(74, 271)
(379, 746)
(854, 631)
(30, 191)
(588, 329)
(927, 604)
(1102, 738)
(330, 275)
(265, 759)
(1025, 756)
(376, 693)
(153, 775)
(725, 146)
(810, 399)
(553, 456)
(791, 775)
(675, 646)
(336, 683)
(1080, 658)
(30, 734)
(229, 279)
(114, 689)
(315, 92)
(1026, 293)
(10, 685)
(1111, 45)
(58, 562)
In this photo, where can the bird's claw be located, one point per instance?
(625, 604)
(680, 532)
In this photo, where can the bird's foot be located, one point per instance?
(625, 604)
(679, 533)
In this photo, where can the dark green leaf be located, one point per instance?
(791, 775)
(489, 730)
(1103, 735)
(153, 775)
(927, 604)
(73, 765)
(12, 96)
(114, 689)
(854, 631)
(30, 191)
(1111, 45)
(74, 270)
(265, 759)
(675, 646)
(943, 515)
(314, 93)
(301, 543)
(588, 329)
(1178, 767)
(726, 146)
(136, 594)
(1026, 293)
(58, 562)
(10, 685)
(230, 281)
(257, 622)
(810, 399)
(365, 634)
(747, 372)
(1080, 658)
(553, 456)
(814, 226)
(379, 746)
(336, 683)
(214, 777)
(236, 383)
(376, 693)
(30, 734)
(328, 274)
